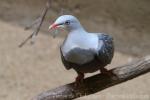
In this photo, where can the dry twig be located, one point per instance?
(37, 23)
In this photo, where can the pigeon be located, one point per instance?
(83, 51)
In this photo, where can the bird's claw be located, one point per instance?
(79, 80)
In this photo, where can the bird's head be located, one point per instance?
(67, 22)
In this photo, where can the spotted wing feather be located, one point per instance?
(106, 52)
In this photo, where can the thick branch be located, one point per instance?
(98, 82)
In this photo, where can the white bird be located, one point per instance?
(83, 51)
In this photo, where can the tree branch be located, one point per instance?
(37, 23)
(98, 82)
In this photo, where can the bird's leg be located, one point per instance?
(79, 78)
(106, 72)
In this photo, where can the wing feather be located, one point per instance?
(106, 52)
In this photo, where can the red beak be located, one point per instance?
(53, 26)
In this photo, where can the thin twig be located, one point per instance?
(37, 23)
(33, 24)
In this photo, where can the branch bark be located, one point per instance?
(98, 82)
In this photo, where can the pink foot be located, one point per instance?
(79, 79)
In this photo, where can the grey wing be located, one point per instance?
(77, 57)
(80, 56)
(66, 63)
(106, 51)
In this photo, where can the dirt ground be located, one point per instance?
(27, 71)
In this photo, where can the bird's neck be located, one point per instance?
(76, 28)
(79, 31)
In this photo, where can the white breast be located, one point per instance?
(83, 41)
(78, 40)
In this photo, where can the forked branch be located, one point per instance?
(37, 23)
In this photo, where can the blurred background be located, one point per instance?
(27, 71)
